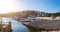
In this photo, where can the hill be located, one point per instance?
(29, 13)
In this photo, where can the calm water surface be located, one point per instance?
(18, 27)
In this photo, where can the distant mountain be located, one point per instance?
(9, 14)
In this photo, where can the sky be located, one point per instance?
(49, 6)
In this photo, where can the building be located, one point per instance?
(5, 27)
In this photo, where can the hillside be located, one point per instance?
(29, 13)
(23, 13)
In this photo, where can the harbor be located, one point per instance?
(9, 25)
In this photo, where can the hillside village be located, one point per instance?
(37, 21)
(30, 13)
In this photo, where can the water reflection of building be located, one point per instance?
(5, 27)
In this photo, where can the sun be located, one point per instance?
(7, 6)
